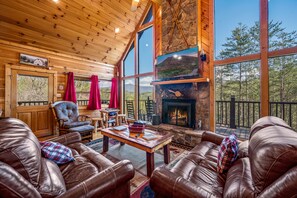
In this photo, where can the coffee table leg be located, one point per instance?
(105, 143)
(150, 163)
(166, 154)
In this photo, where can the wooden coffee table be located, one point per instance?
(149, 147)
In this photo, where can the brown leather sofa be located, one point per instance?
(25, 173)
(266, 167)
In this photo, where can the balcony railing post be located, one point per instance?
(232, 113)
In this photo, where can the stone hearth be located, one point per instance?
(182, 135)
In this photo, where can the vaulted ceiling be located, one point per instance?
(84, 28)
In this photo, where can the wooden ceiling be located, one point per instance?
(85, 28)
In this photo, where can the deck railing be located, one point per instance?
(40, 103)
(236, 114)
(85, 102)
(32, 103)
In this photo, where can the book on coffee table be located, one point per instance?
(149, 136)
(120, 128)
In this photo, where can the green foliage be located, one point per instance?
(243, 79)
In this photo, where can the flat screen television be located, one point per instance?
(178, 65)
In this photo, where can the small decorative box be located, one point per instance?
(136, 128)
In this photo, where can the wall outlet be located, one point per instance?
(59, 95)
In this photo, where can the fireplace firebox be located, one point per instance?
(180, 112)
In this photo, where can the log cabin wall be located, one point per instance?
(9, 54)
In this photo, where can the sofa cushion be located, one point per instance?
(199, 168)
(239, 182)
(76, 124)
(267, 122)
(272, 152)
(12, 187)
(85, 128)
(67, 111)
(227, 154)
(20, 148)
(56, 152)
(87, 163)
(51, 182)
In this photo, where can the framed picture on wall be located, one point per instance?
(33, 60)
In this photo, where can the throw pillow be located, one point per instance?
(228, 152)
(56, 152)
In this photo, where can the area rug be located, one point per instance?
(139, 185)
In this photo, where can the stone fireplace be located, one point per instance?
(189, 96)
(180, 112)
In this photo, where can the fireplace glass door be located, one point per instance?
(178, 115)
(179, 112)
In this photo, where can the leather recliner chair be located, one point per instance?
(25, 173)
(266, 166)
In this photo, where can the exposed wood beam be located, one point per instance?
(264, 79)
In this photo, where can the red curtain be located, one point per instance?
(113, 102)
(94, 99)
(70, 93)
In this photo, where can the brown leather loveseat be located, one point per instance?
(25, 173)
(266, 167)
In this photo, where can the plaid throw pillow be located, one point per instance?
(227, 153)
(56, 152)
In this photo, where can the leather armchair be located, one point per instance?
(69, 120)
(25, 173)
(266, 166)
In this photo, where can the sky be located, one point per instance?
(228, 13)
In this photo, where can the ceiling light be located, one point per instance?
(117, 30)
(56, 1)
(175, 56)
(136, 1)
(179, 58)
(146, 45)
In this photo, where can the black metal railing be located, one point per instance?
(32, 103)
(85, 102)
(236, 114)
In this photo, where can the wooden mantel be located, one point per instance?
(193, 80)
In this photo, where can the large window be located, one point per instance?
(32, 90)
(83, 86)
(145, 50)
(236, 36)
(129, 62)
(138, 69)
(242, 59)
(282, 24)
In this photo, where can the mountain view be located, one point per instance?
(178, 66)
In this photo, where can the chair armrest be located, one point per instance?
(61, 122)
(83, 117)
(167, 184)
(104, 182)
(68, 138)
(212, 137)
(13, 184)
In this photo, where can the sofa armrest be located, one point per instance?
(167, 184)
(212, 137)
(13, 184)
(104, 182)
(68, 138)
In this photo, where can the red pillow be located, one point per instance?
(228, 152)
(56, 152)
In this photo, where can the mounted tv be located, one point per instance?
(178, 65)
